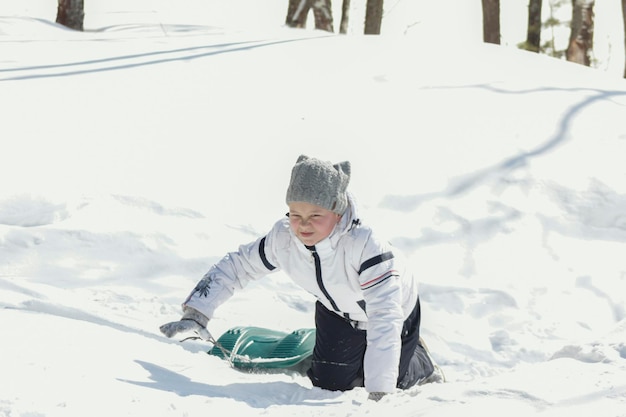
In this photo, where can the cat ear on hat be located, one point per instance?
(343, 167)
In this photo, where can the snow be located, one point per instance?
(139, 152)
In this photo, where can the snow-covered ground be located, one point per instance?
(137, 153)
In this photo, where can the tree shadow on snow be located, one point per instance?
(254, 394)
(134, 60)
(462, 184)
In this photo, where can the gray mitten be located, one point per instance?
(192, 321)
(376, 396)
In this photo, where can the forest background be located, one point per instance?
(561, 28)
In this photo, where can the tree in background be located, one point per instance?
(491, 21)
(581, 37)
(624, 17)
(71, 13)
(323, 13)
(345, 16)
(373, 17)
(298, 11)
(533, 33)
(549, 46)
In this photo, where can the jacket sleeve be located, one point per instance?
(251, 261)
(379, 277)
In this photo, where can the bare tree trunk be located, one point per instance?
(71, 13)
(624, 16)
(491, 21)
(581, 37)
(345, 16)
(533, 34)
(297, 12)
(373, 17)
(323, 12)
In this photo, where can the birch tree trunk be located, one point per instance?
(298, 12)
(71, 13)
(323, 13)
(581, 36)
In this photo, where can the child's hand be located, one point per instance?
(192, 321)
(184, 326)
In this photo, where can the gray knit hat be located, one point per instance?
(320, 183)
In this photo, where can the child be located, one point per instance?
(367, 314)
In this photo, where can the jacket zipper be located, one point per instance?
(318, 277)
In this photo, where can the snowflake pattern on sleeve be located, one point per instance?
(204, 286)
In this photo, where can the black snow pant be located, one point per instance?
(337, 362)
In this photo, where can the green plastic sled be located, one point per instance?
(257, 348)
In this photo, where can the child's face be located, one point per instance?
(311, 223)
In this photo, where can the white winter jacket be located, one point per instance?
(351, 272)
